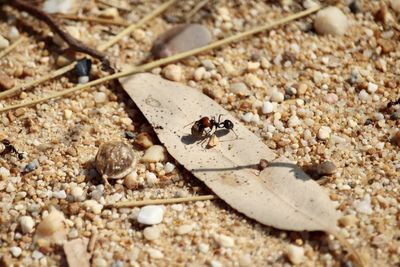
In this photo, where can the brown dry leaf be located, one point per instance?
(281, 195)
(76, 252)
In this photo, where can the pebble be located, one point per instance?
(225, 241)
(151, 214)
(364, 206)
(58, 6)
(396, 138)
(27, 224)
(67, 114)
(277, 96)
(247, 117)
(203, 248)
(83, 79)
(199, 74)
(184, 229)
(100, 97)
(354, 6)
(59, 194)
(155, 253)
(52, 229)
(348, 220)
(309, 4)
(4, 173)
(324, 133)
(331, 20)
(253, 80)
(395, 4)
(13, 33)
(215, 263)
(155, 153)
(111, 13)
(144, 140)
(208, 64)
(3, 42)
(372, 87)
(131, 180)
(77, 192)
(331, 98)
(33, 165)
(294, 121)
(93, 206)
(16, 251)
(326, 168)
(295, 254)
(267, 107)
(240, 89)
(173, 72)
(169, 167)
(6, 82)
(363, 95)
(151, 178)
(36, 254)
(151, 233)
(99, 262)
(180, 39)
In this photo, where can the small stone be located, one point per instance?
(277, 96)
(16, 251)
(331, 98)
(59, 194)
(93, 206)
(58, 6)
(111, 13)
(27, 224)
(67, 114)
(240, 89)
(5, 81)
(184, 229)
(348, 220)
(36, 254)
(4, 173)
(99, 262)
(3, 42)
(100, 97)
(326, 168)
(331, 20)
(324, 133)
(77, 192)
(309, 4)
(253, 81)
(151, 233)
(247, 117)
(294, 121)
(155, 253)
(225, 241)
(33, 165)
(395, 4)
(151, 214)
(372, 87)
(199, 74)
(364, 206)
(363, 95)
(173, 72)
(151, 178)
(267, 107)
(295, 254)
(396, 138)
(131, 180)
(215, 263)
(253, 66)
(155, 153)
(203, 248)
(52, 229)
(144, 140)
(83, 79)
(208, 64)
(169, 167)
(302, 88)
(13, 33)
(354, 6)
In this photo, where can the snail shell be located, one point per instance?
(115, 160)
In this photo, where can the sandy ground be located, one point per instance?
(339, 82)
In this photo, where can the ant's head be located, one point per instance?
(228, 124)
(6, 142)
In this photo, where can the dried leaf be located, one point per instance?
(281, 195)
(76, 252)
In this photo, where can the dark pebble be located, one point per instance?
(395, 115)
(325, 168)
(83, 67)
(355, 7)
(130, 135)
(368, 122)
(33, 165)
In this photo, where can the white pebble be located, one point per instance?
(16, 251)
(247, 117)
(3, 42)
(151, 233)
(83, 79)
(225, 241)
(155, 253)
(309, 4)
(169, 167)
(93, 206)
(331, 20)
(215, 263)
(151, 214)
(5, 173)
(199, 74)
(372, 87)
(58, 6)
(77, 192)
(27, 224)
(324, 133)
(59, 194)
(267, 107)
(277, 96)
(203, 248)
(253, 80)
(395, 4)
(184, 229)
(67, 114)
(363, 95)
(154, 153)
(295, 254)
(37, 255)
(100, 97)
(364, 206)
(13, 33)
(173, 72)
(151, 178)
(294, 121)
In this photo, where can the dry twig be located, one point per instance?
(130, 204)
(93, 19)
(11, 47)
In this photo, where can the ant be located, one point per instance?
(199, 127)
(8, 148)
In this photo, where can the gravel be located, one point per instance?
(331, 20)
(151, 214)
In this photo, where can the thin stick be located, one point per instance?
(11, 47)
(93, 19)
(163, 61)
(357, 258)
(199, 6)
(107, 3)
(130, 204)
(130, 29)
(100, 48)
